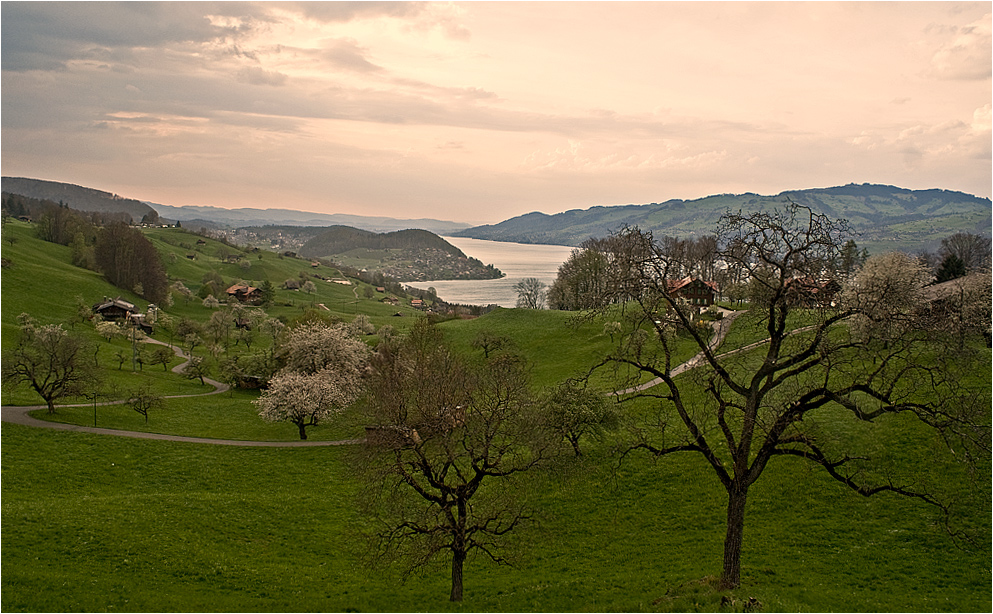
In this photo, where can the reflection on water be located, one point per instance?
(516, 260)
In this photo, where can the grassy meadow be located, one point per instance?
(103, 523)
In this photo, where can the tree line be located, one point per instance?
(590, 277)
(101, 241)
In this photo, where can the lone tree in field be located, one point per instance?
(448, 444)
(322, 374)
(530, 293)
(55, 363)
(574, 412)
(864, 354)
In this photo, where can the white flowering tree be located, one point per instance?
(303, 399)
(322, 374)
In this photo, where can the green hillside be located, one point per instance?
(885, 217)
(95, 522)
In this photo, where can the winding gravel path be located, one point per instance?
(19, 415)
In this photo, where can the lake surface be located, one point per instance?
(516, 260)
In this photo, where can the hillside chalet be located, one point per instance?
(694, 291)
(245, 294)
(114, 309)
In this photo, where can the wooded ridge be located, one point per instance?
(885, 217)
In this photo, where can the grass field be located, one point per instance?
(99, 523)
(104, 523)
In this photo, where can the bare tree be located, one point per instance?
(448, 444)
(490, 342)
(53, 362)
(972, 249)
(143, 400)
(862, 354)
(530, 293)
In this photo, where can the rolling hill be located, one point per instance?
(884, 217)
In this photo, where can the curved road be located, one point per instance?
(19, 415)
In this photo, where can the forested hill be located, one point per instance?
(407, 255)
(341, 239)
(74, 196)
(883, 216)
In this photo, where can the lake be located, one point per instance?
(516, 260)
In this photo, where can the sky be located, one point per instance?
(480, 111)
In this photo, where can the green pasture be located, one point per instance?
(99, 523)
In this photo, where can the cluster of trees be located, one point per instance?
(593, 274)
(958, 255)
(129, 260)
(104, 242)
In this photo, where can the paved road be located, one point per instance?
(19, 415)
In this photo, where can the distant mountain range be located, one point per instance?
(883, 216)
(88, 199)
(239, 218)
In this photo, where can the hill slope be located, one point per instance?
(884, 216)
(74, 196)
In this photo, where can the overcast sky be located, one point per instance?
(478, 111)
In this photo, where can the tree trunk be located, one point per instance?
(575, 445)
(731, 575)
(303, 430)
(458, 558)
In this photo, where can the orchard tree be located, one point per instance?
(449, 444)
(321, 375)
(53, 362)
(305, 399)
(196, 368)
(575, 412)
(142, 400)
(864, 356)
(161, 355)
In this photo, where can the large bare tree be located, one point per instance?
(864, 353)
(448, 442)
(52, 361)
